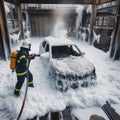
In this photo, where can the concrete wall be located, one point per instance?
(42, 22)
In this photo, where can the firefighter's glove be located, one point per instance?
(32, 56)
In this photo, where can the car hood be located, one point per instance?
(76, 65)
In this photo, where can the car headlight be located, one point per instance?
(60, 76)
(70, 77)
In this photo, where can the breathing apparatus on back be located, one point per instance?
(27, 45)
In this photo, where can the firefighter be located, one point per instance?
(22, 67)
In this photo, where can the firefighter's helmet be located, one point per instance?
(26, 44)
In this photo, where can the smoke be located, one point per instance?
(79, 12)
(60, 29)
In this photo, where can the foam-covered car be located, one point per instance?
(66, 64)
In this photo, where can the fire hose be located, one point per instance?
(23, 104)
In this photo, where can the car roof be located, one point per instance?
(58, 41)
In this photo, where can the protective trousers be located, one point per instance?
(20, 81)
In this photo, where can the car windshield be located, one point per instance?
(65, 51)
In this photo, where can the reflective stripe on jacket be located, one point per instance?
(22, 73)
(22, 62)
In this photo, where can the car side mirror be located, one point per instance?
(83, 53)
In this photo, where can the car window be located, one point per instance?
(64, 51)
(43, 44)
(47, 48)
(59, 51)
(74, 50)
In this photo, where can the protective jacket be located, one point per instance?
(22, 62)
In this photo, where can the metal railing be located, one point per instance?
(106, 5)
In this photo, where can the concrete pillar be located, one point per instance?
(117, 44)
(20, 20)
(4, 31)
(2, 52)
(115, 40)
(93, 19)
